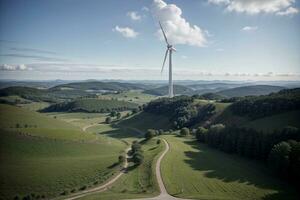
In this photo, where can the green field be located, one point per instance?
(135, 96)
(51, 156)
(91, 105)
(276, 122)
(194, 170)
(138, 182)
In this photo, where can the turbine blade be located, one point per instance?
(163, 33)
(166, 54)
(173, 49)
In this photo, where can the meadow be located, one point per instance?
(47, 156)
(194, 170)
(139, 181)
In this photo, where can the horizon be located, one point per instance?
(121, 40)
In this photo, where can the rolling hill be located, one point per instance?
(91, 105)
(162, 91)
(254, 90)
(98, 86)
(34, 146)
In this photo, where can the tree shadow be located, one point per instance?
(232, 168)
(119, 132)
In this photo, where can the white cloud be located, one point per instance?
(177, 29)
(126, 32)
(21, 67)
(250, 28)
(218, 2)
(289, 11)
(279, 7)
(134, 16)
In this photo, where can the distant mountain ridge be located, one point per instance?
(253, 90)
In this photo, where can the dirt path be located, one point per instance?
(103, 187)
(163, 192)
(88, 126)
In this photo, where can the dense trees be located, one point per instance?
(181, 110)
(281, 149)
(92, 105)
(279, 157)
(137, 154)
(261, 106)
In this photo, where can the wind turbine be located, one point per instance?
(169, 51)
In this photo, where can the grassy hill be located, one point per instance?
(97, 85)
(254, 90)
(193, 170)
(46, 156)
(162, 91)
(275, 122)
(91, 105)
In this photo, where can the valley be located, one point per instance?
(76, 153)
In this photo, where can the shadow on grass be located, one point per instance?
(232, 168)
(120, 132)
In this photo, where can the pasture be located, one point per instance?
(47, 156)
(193, 170)
(139, 182)
(135, 96)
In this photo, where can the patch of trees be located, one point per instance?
(261, 106)
(137, 153)
(280, 149)
(31, 196)
(91, 105)
(181, 110)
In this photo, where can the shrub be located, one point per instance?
(121, 159)
(184, 132)
(108, 120)
(137, 158)
(201, 134)
(158, 141)
(150, 134)
(83, 187)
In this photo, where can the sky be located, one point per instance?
(121, 39)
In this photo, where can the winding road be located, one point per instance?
(163, 192)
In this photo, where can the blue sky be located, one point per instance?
(120, 39)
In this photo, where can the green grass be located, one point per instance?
(51, 156)
(92, 105)
(135, 96)
(144, 121)
(138, 182)
(34, 106)
(194, 170)
(48, 166)
(276, 122)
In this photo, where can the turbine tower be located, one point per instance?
(169, 51)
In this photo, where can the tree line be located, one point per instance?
(266, 105)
